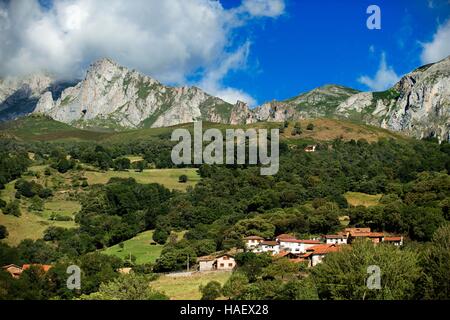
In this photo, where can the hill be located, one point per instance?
(42, 128)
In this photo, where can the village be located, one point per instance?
(310, 252)
(307, 251)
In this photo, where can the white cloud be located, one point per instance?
(264, 8)
(211, 82)
(383, 79)
(439, 47)
(169, 40)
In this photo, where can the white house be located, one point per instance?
(396, 241)
(252, 242)
(268, 246)
(206, 263)
(297, 246)
(335, 239)
(316, 253)
(223, 261)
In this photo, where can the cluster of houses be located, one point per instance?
(15, 271)
(312, 251)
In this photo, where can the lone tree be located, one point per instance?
(183, 178)
(3, 232)
(310, 127)
(211, 291)
(12, 208)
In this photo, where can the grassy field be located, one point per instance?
(139, 246)
(187, 287)
(166, 177)
(362, 199)
(40, 128)
(330, 129)
(31, 224)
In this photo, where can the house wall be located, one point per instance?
(337, 241)
(316, 258)
(296, 247)
(293, 247)
(206, 265)
(272, 249)
(250, 244)
(225, 263)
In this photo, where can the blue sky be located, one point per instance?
(320, 42)
(250, 50)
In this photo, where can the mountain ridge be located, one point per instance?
(112, 96)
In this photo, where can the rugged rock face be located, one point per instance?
(20, 95)
(320, 102)
(419, 104)
(113, 96)
(423, 107)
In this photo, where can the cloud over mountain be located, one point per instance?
(169, 40)
(383, 79)
(439, 47)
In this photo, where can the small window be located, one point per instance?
(225, 258)
(222, 265)
(230, 264)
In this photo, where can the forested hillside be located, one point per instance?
(307, 198)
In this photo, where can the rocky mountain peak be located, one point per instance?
(115, 97)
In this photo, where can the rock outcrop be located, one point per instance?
(113, 96)
(418, 105)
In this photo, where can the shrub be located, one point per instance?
(160, 236)
(183, 178)
(211, 291)
(12, 208)
(3, 232)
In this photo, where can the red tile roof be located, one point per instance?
(44, 267)
(253, 238)
(285, 236)
(367, 234)
(206, 258)
(269, 243)
(334, 236)
(392, 238)
(282, 253)
(324, 249)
